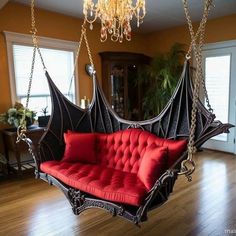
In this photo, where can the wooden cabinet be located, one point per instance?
(119, 82)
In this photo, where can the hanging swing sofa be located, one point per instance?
(97, 159)
(128, 168)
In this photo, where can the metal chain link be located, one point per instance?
(83, 36)
(77, 56)
(197, 49)
(88, 50)
(34, 33)
(203, 81)
(201, 35)
(22, 128)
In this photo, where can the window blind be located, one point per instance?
(60, 66)
(217, 74)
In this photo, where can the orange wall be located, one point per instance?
(16, 18)
(220, 29)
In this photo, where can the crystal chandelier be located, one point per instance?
(115, 16)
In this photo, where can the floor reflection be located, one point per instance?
(213, 197)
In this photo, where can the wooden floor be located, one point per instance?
(207, 206)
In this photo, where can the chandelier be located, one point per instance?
(115, 16)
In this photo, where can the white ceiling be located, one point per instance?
(160, 13)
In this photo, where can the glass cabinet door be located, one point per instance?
(120, 71)
(117, 89)
(134, 94)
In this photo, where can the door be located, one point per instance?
(219, 64)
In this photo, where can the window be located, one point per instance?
(217, 72)
(58, 56)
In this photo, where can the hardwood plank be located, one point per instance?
(204, 207)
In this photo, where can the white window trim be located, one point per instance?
(45, 42)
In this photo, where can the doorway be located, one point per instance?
(219, 65)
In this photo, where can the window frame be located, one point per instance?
(13, 38)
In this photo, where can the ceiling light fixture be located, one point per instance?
(115, 16)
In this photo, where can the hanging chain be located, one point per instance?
(201, 35)
(203, 81)
(199, 79)
(83, 36)
(88, 50)
(77, 55)
(34, 33)
(22, 128)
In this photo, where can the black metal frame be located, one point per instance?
(172, 123)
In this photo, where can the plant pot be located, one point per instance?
(43, 121)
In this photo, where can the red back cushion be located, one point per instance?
(123, 150)
(152, 165)
(175, 148)
(80, 147)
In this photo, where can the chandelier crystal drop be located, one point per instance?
(115, 16)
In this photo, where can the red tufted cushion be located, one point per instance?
(79, 147)
(124, 149)
(152, 165)
(105, 183)
(175, 148)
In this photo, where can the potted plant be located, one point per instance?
(160, 79)
(14, 115)
(43, 120)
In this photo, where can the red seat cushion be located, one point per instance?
(79, 147)
(153, 164)
(106, 183)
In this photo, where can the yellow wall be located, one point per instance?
(220, 29)
(16, 18)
